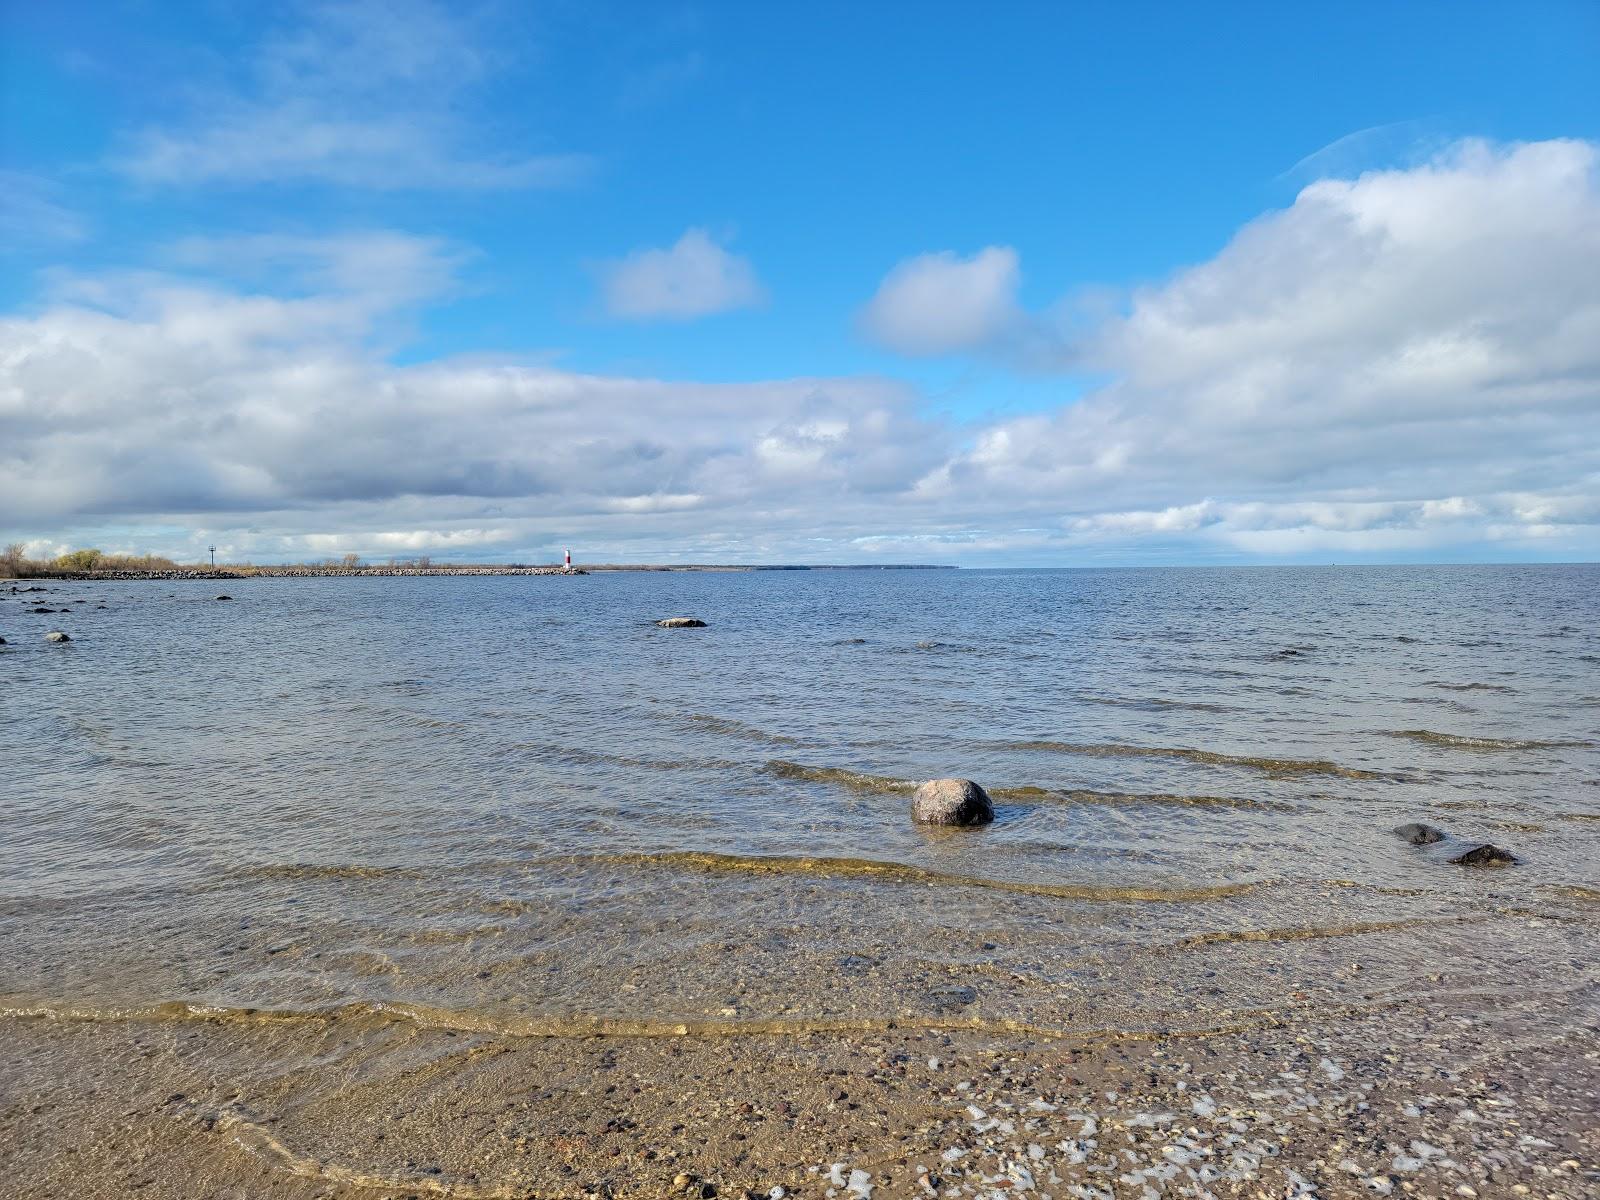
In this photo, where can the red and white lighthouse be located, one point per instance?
(569, 559)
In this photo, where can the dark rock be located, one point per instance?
(952, 997)
(1418, 834)
(951, 802)
(55, 635)
(2, 641)
(42, 609)
(1485, 856)
(681, 623)
(224, 597)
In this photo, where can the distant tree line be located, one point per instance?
(16, 564)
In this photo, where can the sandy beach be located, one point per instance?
(1392, 1102)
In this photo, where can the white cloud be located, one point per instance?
(694, 277)
(1429, 337)
(357, 94)
(1395, 364)
(941, 303)
(397, 541)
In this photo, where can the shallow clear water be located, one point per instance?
(514, 802)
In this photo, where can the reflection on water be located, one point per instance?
(516, 804)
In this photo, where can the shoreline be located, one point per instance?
(312, 572)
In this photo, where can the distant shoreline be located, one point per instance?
(340, 572)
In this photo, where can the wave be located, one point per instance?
(1474, 687)
(1460, 742)
(1309, 933)
(1180, 799)
(867, 784)
(326, 871)
(904, 873)
(1272, 766)
(1153, 703)
(586, 1025)
(853, 781)
(256, 1137)
(729, 727)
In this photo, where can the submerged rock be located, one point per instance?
(951, 802)
(55, 635)
(681, 623)
(951, 998)
(2, 641)
(224, 597)
(1418, 834)
(1485, 856)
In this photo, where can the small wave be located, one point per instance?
(584, 1025)
(1175, 798)
(860, 781)
(894, 872)
(325, 871)
(1272, 766)
(729, 727)
(258, 1138)
(1460, 742)
(854, 781)
(1308, 933)
(1153, 703)
(1474, 687)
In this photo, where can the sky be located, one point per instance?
(1068, 284)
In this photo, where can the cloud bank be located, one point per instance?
(1395, 364)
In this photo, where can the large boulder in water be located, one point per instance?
(1485, 856)
(55, 635)
(951, 802)
(681, 623)
(1418, 834)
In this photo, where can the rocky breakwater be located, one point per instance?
(316, 572)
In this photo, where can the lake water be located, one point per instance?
(514, 803)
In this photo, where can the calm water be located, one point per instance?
(514, 802)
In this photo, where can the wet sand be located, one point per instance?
(1402, 1101)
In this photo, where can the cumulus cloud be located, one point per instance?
(694, 277)
(942, 303)
(1396, 363)
(353, 93)
(1428, 337)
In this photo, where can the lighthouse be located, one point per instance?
(568, 564)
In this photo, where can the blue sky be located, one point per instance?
(974, 225)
